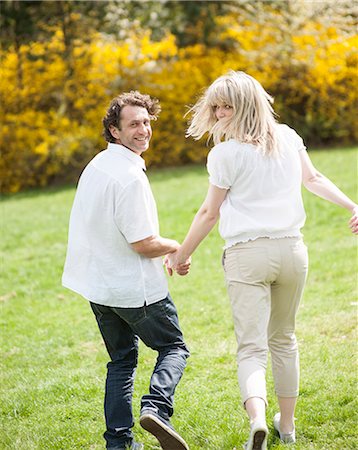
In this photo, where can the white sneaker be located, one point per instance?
(287, 438)
(258, 437)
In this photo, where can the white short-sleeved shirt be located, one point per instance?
(113, 207)
(264, 193)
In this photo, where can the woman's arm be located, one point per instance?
(320, 185)
(203, 222)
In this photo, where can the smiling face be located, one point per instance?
(135, 130)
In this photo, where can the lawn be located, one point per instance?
(53, 360)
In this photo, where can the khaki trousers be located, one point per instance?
(265, 280)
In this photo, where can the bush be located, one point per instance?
(53, 96)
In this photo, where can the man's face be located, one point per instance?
(135, 132)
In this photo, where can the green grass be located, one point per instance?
(53, 360)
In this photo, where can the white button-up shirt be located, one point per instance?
(113, 207)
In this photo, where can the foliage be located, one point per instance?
(190, 21)
(54, 89)
(53, 360)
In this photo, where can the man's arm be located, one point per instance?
(154, 246)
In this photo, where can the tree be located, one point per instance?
(191, 22)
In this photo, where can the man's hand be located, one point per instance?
(167, 265)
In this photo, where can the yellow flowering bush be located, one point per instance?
(52, 98)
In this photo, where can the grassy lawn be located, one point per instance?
(53, 360)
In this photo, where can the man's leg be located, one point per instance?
(160, 331)
(122, 346)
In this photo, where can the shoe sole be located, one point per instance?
(168, 438)
(259, 438)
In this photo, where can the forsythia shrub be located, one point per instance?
(53, 99)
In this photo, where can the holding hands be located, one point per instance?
(175, 261)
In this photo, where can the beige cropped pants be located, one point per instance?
(265, 280)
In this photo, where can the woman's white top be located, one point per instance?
(264, 192)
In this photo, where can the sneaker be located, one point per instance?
(287, 438)
(137, 446)
(134, 446)
(162, 429)
(258, 437)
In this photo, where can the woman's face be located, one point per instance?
(223, 111)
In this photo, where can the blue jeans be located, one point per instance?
(158, 327)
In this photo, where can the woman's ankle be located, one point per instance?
(287, 425)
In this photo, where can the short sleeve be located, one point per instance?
(135, 212)
(221, 166)
(294, 138)
(299, 142)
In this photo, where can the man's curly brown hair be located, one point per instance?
(132, 98)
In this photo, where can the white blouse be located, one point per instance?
(264, 192)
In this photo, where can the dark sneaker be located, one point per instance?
(162, 429)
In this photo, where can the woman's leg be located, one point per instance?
(287, 409)
(246, 271)
(256, 409)
(286, 294)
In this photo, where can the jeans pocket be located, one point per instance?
(132, 315)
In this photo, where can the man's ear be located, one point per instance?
(114, 131)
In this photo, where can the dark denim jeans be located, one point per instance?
(158, 327)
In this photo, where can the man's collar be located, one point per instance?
(124, 151)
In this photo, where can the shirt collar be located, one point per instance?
(124, 151)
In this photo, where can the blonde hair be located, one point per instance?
(253, 120)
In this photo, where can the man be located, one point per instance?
(113, 260)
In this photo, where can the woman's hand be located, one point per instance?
(172, 261)
(353, 223)
(203, 222)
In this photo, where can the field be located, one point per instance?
(53, 360)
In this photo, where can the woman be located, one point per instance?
(255, 179)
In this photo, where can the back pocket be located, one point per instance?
(245, 264)
(300, 257)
